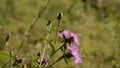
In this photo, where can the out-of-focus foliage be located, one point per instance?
(97, 23)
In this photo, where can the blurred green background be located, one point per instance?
(97, 23)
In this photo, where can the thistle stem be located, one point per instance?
(44, 50)
(58, 49)
(57, 29)
(31, 27)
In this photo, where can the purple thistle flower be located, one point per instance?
(64, 33)
(74, 51)
(45, 60)
(69, 36)
(75, 38)
(71, 43)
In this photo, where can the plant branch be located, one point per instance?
(40, 13)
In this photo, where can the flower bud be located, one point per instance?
(59, 16)
(21, 60)
(45, 60)
(16, 58)
(11, 53)
(39, 54)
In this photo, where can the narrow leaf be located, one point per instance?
(65, 59)
(4, 54)
(51, 45)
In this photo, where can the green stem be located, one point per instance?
(48, 34)
(57, 50)
(63, 56)
(56, 61)
(57, 29)
(33, 24)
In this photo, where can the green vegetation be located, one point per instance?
(97, 22)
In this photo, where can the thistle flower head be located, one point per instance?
(74, 51)
(69, 36)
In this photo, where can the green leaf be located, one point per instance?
(4, 54)
(51, 45)
(65, 59)
(34, 61)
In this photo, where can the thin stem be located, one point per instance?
(63, 56)
(57, 29)
(39, 15)
(63, 50)
(57, 50)
(48, 34)
(60, 48)
(21, 45)
(33, 24)
(5, 64)
(56, 61)
(10, 62)
(117, 38)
